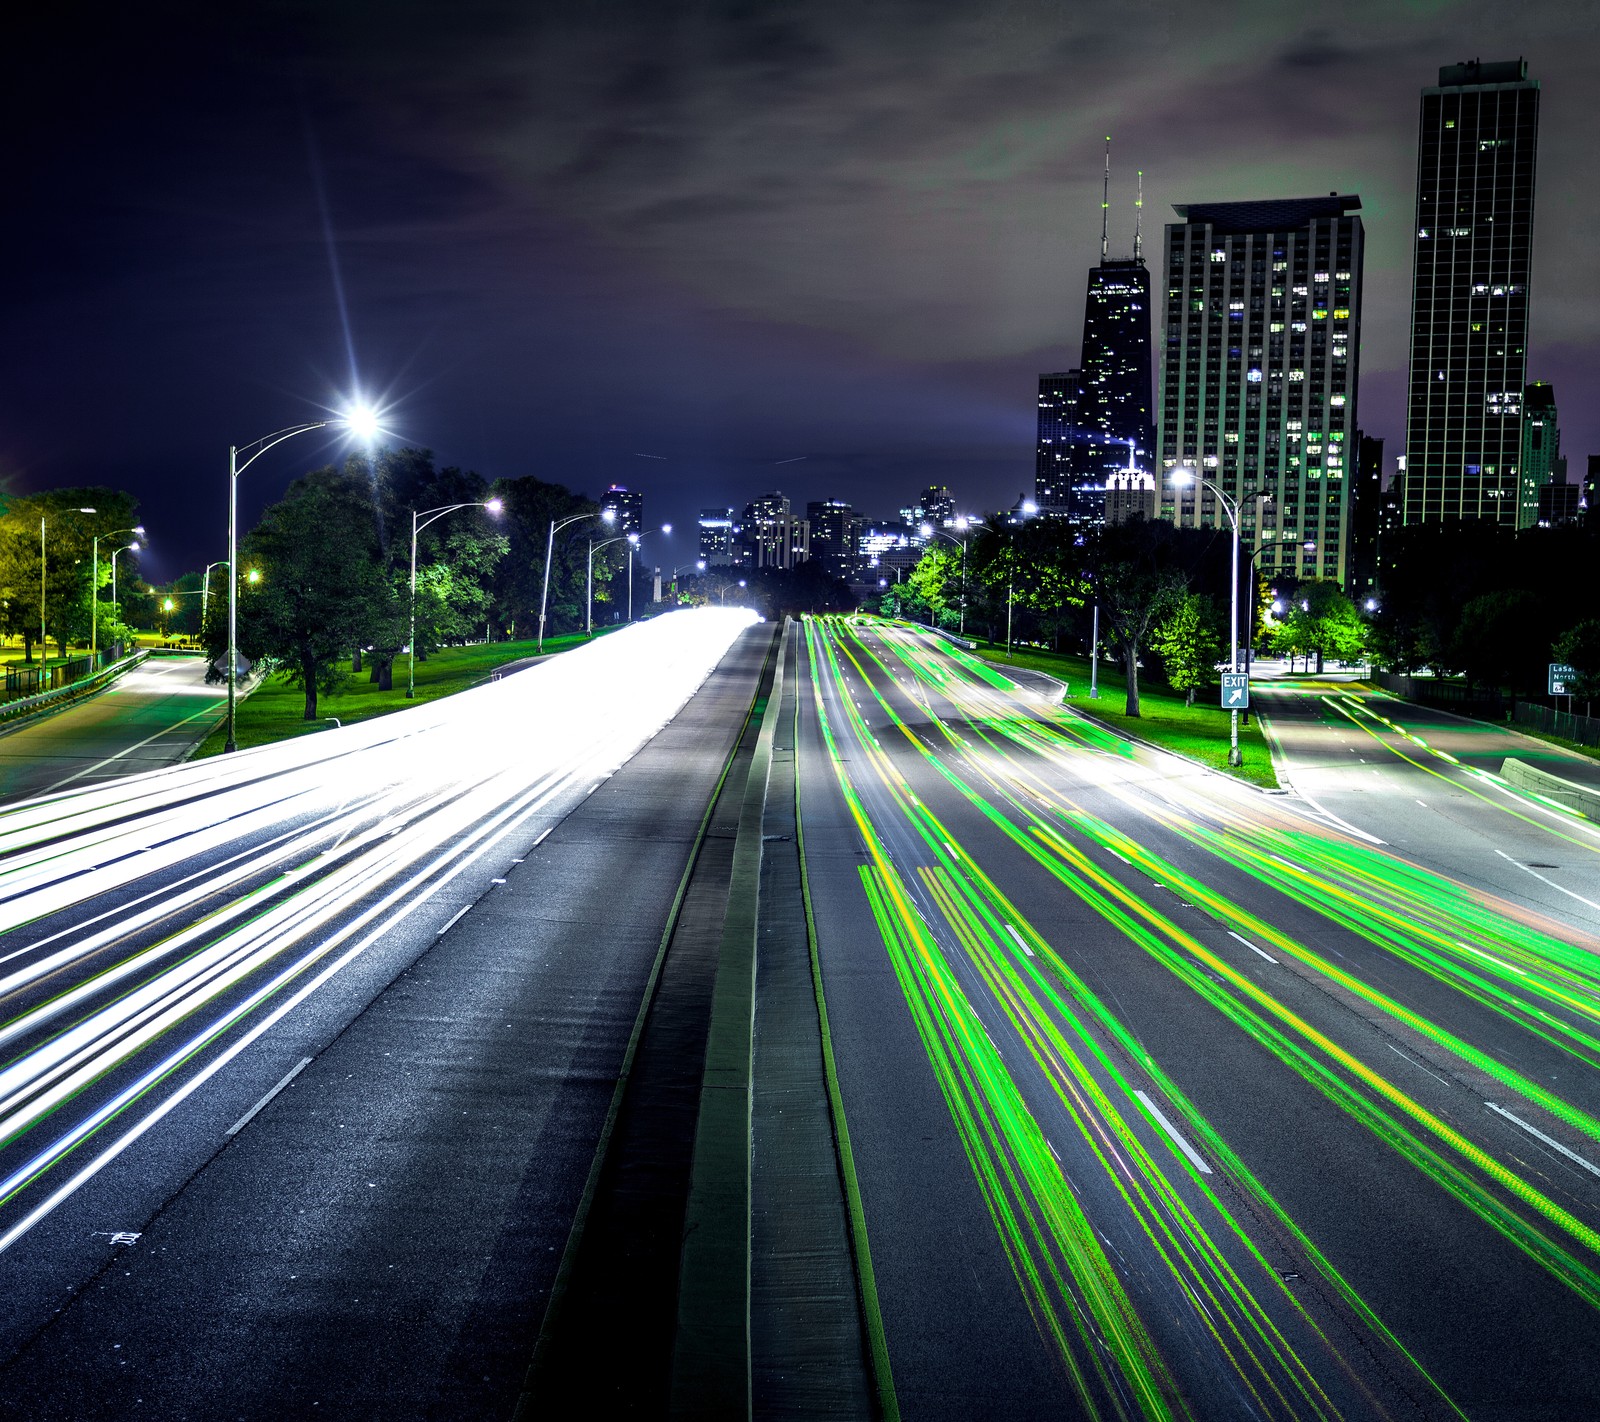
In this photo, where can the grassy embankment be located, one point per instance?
(275, 710)
(1199, 731)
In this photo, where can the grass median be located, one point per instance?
(275, 710)
(1199, 732)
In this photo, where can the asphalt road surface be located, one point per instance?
(151, 717)
(307, 1049)
(1169, 1098)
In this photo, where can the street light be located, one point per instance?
(634, 539)
(44, 649)
(94, 582)
(362, 422)
(927, 530)
(1186, 478)
(723, 599)
(126, 548)
(588, 605)
(607, 516)
(431, 516)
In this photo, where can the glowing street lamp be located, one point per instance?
(606, 516)
(44, 650)
(94, 582)
(963, 523)
(588, 616)
(431, 516)
(634, 539)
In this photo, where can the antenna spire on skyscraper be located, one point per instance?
(1138, 219)
(1105, 206)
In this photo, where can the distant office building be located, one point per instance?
(1058, 430)
(1469, 295)
(884, 545)
(1589, 498)
(1130, 494)
(1540, 456)
(833, 527)
(1366, 516)
(716, 537)
(774, 537)
(936, 506)
(1559, 503)
(1259, 374)
(627, 506)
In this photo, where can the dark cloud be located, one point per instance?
(733, 232)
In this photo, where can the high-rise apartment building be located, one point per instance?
(1259, 374)
(833, 536)
(627, 508)
(774, 537)
(1366, 516)
(1058, 431)
(1469, 295)
(716, 537)
(1540, 458)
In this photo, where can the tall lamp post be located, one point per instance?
(963, 523)
(634, 539)
(588, 616)
(699, 565)
(433, 516)
(361, 422)
(607, 516)
(205, 585)
(1184, 479)
(44, 649)
(94, 583)
(126, 548)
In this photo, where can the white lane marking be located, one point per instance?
(1013, 932)
(1424, 806)
(260, 1105)
(1414, 1062)
(1551, 882)
(1252, 947)
(1550, 1141)
(101, 764)
(1343, 824)
(455, 918)
(1113, 853)
(1172, 1132)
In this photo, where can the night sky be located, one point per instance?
(553, 238)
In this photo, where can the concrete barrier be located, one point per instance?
(1552, 787)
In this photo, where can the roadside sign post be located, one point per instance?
(1235, 691)
(1561, 678)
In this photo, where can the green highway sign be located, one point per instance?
(1235, 691)
(1561, 678)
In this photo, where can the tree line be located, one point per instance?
(325, 576)
(1162, 595)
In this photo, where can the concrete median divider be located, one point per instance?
(1583, 798)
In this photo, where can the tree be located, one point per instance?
(1579, 648)
(1138, 575)
(322, 585)
(1492, 644)
(1036, 567)
(1189, 643)
(69, 597)
(935, 581)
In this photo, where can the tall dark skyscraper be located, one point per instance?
(1541, 461)
(1114, 422)
(1259, 374)
(1469, 295)
(627, 509)
(1058, 425)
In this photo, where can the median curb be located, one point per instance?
(27, 709)
(1583, 798)
(711, 1362)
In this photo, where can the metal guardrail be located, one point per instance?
(25, 706)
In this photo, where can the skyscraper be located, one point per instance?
(1469, 294)
(1540, 457)
(1088, 416)
(1259, 374)
(833, 536)
(627, 508)
(1114, 386)
(716, 537)
(1058, 426)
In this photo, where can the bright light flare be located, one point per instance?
(362, 421)
(495, 506)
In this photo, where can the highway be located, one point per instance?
(1169, 1098)
(306, 1049)
(150, 717)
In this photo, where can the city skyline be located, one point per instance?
(859, 281)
